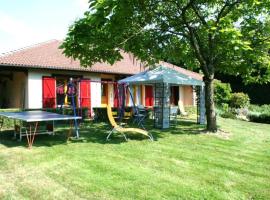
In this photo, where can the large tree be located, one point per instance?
(227, 36)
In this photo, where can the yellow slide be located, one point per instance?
(117, 128)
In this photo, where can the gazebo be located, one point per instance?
(162, 78)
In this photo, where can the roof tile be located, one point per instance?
(47, 55)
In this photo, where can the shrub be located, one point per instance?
(8, 123)
(222, 92)
(239, 100)
(259, 118)
(264, 109)
(100, 113)
(228, 114)
(260, 114)
(220, 109)
(191, 109)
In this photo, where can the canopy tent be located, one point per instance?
(161, 74)
(162, 78)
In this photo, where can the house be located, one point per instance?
(37, 77)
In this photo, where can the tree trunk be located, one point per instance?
(210, 105)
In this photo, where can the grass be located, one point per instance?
(180, 164)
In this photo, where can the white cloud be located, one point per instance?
(83, 4)
(12, 26)
(17, 32)
(21, 34)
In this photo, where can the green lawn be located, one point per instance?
(180, 164)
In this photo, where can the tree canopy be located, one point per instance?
(229, 36)
(225, 36)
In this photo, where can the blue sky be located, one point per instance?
(27, 22)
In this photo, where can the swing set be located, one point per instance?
(120, 93)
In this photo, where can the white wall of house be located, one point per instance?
(95, 90)
(110, 94)
(138, 95)
(181, 95)
(34, 89)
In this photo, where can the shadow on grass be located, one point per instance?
(97, 132)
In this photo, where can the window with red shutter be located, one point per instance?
(85, 93)
(48, 92)
(149, 96)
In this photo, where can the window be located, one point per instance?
(64, 92)
(60, 91)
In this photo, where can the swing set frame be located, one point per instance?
(122, 89)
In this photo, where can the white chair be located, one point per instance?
(173, 114)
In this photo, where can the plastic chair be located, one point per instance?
(121, 130)
(140, 115)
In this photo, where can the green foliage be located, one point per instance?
(8, 123)
(259, 118)
(191, 110)
(260, 114)
(226, 36)
(229, 37)
(239, 100)
(222, 92)
(228, 114)
(263, 109)
(100, 113)
(225, 106)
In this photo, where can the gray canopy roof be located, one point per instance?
(161, 74)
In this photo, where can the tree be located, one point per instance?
(228, 36)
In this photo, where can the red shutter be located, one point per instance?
(149, 98)
(48, 92)
(116, 98)
(85, 93)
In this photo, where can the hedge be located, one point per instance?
(100, 113)
(259, 118)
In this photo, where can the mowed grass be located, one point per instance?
(183, 163)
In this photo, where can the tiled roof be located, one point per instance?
(47, 55)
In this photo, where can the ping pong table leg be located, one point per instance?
(26, 133)
(31, 135)
(70, 129)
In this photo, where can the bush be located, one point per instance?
(239, 100)
(8, 123)
(222, 92)
(259, 118)
(100, 113)
(264, 109)
(260, 114)
(191, 109)
(228, 114)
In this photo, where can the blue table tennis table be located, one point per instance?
(26, 123)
